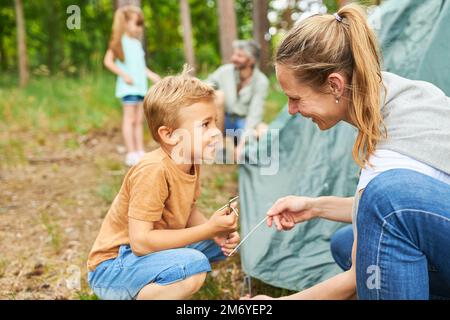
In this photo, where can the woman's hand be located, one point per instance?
(288, 211)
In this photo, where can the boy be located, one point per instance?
(154, 243)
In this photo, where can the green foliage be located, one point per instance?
(53, 49)
(332, 5)
(244, 18)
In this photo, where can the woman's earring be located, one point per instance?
(337, 100)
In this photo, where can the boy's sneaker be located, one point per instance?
(131, 159)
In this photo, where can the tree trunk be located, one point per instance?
(52, 36)
(21, 43)
(3, 55)
(227, 28)
(260, 29)
(187, 33)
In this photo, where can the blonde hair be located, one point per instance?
(121, 16)
(321, 45)
(165, 99)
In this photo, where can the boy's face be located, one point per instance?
(198, 122)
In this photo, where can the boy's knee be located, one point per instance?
(192, 284)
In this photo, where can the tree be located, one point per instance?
(187, 33)
(260, 29)
(21, 43)
(227, 28)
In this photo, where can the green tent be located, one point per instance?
(414, 37)
(310, 162)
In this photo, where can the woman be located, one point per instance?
(329, 67)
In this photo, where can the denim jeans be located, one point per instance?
(234, 126)
(123, 277)
(403, 226)
(132, 99)
(341, 249)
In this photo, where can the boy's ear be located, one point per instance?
(168, 136)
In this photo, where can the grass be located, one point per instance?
(109, 189)
(63, 104)
(53, 230)
(11, 151)
(59, 104)
(3, 264)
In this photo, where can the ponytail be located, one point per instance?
(366, 82)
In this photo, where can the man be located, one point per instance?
(241, 90)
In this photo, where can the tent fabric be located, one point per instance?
(415, 42)
(415, 39)
(311, 163)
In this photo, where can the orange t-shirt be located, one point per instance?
(154, 190)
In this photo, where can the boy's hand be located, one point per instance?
(228, 242)
(224, 221)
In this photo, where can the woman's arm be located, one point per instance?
(339, 287)
(334, 208)
(288, 211)
(109, 63)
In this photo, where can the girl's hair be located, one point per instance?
(323, 44)
(121, 16)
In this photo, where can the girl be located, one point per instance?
(125, 57)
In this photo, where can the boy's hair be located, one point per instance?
(164, 100)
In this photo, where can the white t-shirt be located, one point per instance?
(383, 160)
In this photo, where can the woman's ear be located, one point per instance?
(168, 136)
(337, 84)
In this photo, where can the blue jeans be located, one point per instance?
(123, 277)
(341, 249)
(234, 126)
(403, 228)
(132, 99)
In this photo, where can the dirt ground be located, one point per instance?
(55, 191)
